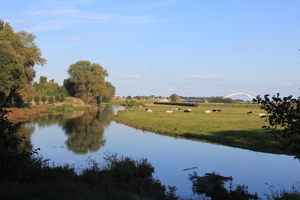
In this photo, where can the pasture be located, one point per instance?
(231, 126)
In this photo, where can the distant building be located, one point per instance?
(164, 100)
(192, 100)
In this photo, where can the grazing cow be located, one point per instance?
(148, 110)
(214, 110)
(207, 111)
(261, 114)
(250, 112)
(188, 110)
(175, 108)
(169, 111)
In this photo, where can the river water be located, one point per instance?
(74, 139)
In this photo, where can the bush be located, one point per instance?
(44, 99)
(37, 99)
(51, 100)
(13, 160)
(57, 97)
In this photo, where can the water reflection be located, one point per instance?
(26, 131)
(84, 129)
(85, 133)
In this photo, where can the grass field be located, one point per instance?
(232, 126)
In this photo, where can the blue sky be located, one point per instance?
(195, 48)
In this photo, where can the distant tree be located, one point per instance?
(89, 80)
(129, 97)
(111, 90)
(18, 55)
(43, 80)
(62, 97)
(44, 99)
(37, 99)
(284, 120)
(175, 98)
(51, 100)
(57, 97)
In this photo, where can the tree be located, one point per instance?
(51, 100)
(43, 80)
(284, 120)
(70, 87)
(174, 98)
(12, 73)
(19, 54)
(88, 79)
(37, 99)
(44, 99)
(111, 90)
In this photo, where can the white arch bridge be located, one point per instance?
(248, 95)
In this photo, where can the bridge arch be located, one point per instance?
(248, 95)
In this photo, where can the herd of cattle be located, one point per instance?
(206, 111)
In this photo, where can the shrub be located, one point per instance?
(51, 100)
(37, 99)
(13, 160)
(44, 99)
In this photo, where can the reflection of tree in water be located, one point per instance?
(25, 130)
(85, 133)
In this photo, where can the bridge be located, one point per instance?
(248, 95)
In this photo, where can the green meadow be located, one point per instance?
(232, 126)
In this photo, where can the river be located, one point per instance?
(74, 139)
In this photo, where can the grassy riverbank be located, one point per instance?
(232, 126)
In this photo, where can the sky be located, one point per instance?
(195, 48)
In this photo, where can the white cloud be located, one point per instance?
(131, 76)
(21, 21)
(187, 87)
(201, 76)
(74, 38)
(284, 85)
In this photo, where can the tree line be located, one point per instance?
(19, 54)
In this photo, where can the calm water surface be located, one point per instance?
(66, 139)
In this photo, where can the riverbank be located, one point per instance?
(232, 126)
(16, 115)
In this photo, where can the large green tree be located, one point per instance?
(89, 80)
(19, 54)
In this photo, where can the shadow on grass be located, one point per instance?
(255, 140)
